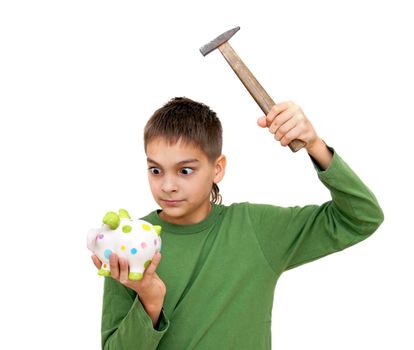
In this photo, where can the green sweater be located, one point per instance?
(221, 273)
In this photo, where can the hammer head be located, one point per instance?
(221, 39)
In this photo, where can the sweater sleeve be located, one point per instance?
(125, 323)
(292, 236)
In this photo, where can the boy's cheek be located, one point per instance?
(153, 189)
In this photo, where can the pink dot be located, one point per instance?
(101, 236)
(143, 245)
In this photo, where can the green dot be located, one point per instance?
(126, 229)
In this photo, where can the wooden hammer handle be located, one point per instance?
(259, 94)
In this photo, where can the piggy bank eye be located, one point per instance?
(154, 171)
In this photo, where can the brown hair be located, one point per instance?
(191, 122)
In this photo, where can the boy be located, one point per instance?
(215, 287)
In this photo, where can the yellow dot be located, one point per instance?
(146, 227)
(123, 247)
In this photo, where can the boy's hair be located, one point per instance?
(190, 122)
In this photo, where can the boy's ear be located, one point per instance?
(220, 168)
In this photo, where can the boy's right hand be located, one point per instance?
(150, 289)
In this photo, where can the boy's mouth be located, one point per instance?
(171, 202)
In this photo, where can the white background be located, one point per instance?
(79, 79)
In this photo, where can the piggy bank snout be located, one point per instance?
(91, 239)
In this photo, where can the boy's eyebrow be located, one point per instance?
(192, 160)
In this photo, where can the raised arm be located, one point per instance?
(304, 234)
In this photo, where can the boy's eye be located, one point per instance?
(186, 171)
(154, 170)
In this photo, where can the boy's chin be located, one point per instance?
(174, 215)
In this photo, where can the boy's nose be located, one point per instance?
(169, 185)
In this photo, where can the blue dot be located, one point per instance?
(133, 251)
(107, 253)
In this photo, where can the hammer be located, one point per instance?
(259, 94)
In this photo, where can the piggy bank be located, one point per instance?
(135, 240)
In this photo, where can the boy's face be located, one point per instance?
(181, 177)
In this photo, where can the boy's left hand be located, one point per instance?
(287, 122)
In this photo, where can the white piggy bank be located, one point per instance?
(135, 240)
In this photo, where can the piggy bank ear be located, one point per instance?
(157, 229)
(123, 214)
(112, 220)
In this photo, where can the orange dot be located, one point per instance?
(104, 265)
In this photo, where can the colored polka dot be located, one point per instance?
(126, 229)
(147, 263)
(143, 245)
(107, 253)
(155, 242)
(146, 227)
(123, 247)
(133, 251)
(101, 236)
(104, 266)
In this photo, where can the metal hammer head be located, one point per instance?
(221, 39)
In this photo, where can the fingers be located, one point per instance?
(278, 109)
(293, 134)
(282, 120)
(120, 268)
(275, 114)
(154, 264)
(96, 261)
(114, 265)
(281, 128)
(287, 122)
(123, 271)
(262, 122)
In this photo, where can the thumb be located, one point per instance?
(96, 261)
(154, 264)
(262, 122)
